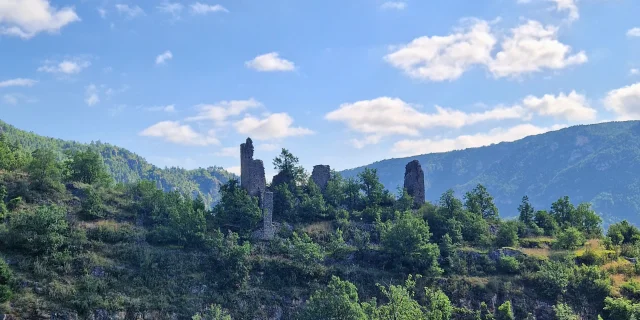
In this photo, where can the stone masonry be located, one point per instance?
(321, 175)
(252, 176)
(414, 182)
(267, 213)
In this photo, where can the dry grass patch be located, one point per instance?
(319, 230)
(537, 252)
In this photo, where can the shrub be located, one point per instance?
(41, 231)
(112, 232)
(570, 238)
(508, 264)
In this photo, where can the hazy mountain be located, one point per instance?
(126, 166)
(597, 163)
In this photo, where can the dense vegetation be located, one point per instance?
(589, 163)
(76, 244)
(127, 167)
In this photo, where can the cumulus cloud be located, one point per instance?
(231, 152)
(18, 82)
(91, 95)
(274, 126)
(201, 8)
(625, 102)
(395, 5)
(390, 116)
(164, 57)
(533, 47)
(270, 62)
(67, 67)
(497, 135)
(173, 131)
(27, 18)
(440, 58)
(572, 107)
(634, 32)
(219, 112)
(130, 11)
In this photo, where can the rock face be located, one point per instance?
(321, 175)
(252, 176)
(414, 181)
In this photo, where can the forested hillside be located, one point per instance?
(597, 163)
(126, 166)
(75, 245)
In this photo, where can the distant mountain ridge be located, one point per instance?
(597, 163)
(126, 166)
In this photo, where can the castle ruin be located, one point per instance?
(252, 179)
(414, 182)
(321, 175)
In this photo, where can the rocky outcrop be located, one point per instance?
(321, 175)
(414, 182)
(252, 176)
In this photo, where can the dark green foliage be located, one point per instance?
(526, 211)
(338, 301)
(623, 233)
(620, 309)
(41, 231)
(371, 186)
(87, 167)
(237, 210)
(507, 234)
(438, 306)
(92, 207)
(570, 238)
(564, 312)
(287, 164)
(12, 157)
(546, 221)
(45, 172)
(551, 280)
(631, 289)
(3, 206)
(6, 277)
(508, 264)
(212, 312)
(479, 201)
(284, 203)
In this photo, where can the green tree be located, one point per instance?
(87, 167)
(371, 186)
(505, 312)
(406, 239)
(479, 201)
(287, 164)
(3, 206)
(570, 238)
(405, 200)
(620, 309)
(6, 277)
(12, 157)
(284, 203)
(438, 305)
(547, 222)
(526, 211)
(237, 210)
(551, 280)
(623, 233)
(213, 312)
(92, 206)
(41, 231)
(304, 250)
(312, 204)
(352, 196)
(563, 211)
(564, 312)
(507, 234)
(338, 301)
(45, 173)
(401, 304)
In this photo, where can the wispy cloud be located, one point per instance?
(201, 8)
(18, 82)
(164, 57)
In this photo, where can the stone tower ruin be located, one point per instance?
(414, 182)
(252, 179)
(321, 175)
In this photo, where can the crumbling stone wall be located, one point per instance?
(321, 175)
(268, 230)
(252, 177)
(414, 182)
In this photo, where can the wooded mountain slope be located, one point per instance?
(597, 163)
(126, 166)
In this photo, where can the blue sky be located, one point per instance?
(343, 83)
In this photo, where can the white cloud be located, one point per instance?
(222, 110)
(231, 152)
(275, 126)
(172, 8)
(27, 18)
(15, 98)
(130, 12)
(235, 170)
(18, 82)
(91, 95)
(370, 139)
(10, 99)
(167, 108)
(532, 48)
(163, 57)
(73, 66)
(440, 58)
(175, 132)
(572, 107)
(634, 72)
(634, 32)
(201, 8)
(388, 116)
(570, 6)
(102, 12)
(497, 135)
(267, 147)
(625, 102)
(270, 62)
(396, 5)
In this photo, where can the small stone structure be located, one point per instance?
(414, 182)
(268, 230)
(252, 176)
(281, 178)
(321, 175)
